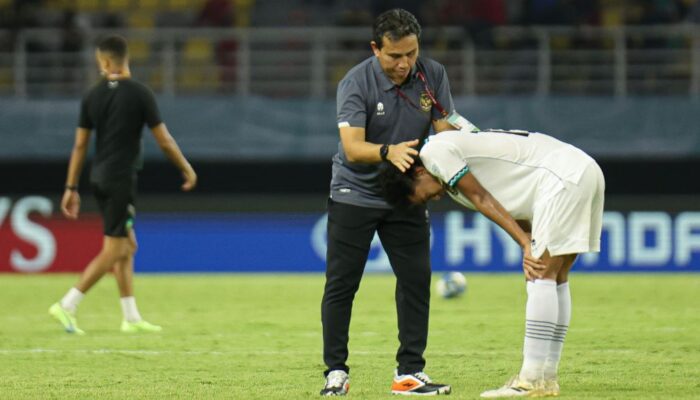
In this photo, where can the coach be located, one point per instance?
(386, 106)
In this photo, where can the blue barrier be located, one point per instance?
(291, 242)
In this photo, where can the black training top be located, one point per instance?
(117, 110)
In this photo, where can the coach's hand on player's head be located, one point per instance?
(70, 204)
(190, 178)
(403, 154)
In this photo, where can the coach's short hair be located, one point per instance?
(395, 24)
(115, 45)
(397, 186)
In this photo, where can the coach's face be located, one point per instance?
(397, 58)
(426, 187)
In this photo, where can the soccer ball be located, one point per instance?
(451, 285)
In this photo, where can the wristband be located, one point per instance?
(72, 188)
(384, 151)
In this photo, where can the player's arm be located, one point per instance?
(441, 125)
(168, 145)
(493, 210)
(526, 226)
(453, 122)
(357, 149)
(450, 120)
(70, 203)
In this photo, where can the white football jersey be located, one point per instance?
(518, 168)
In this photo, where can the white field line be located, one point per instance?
(252, 352)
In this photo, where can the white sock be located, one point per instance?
(71, 300)
(540, 323)
(129, 309)
(552, 364)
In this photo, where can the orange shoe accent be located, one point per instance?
(406, 385)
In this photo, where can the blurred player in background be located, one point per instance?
(117, 108)
(386, 105)
(555, 190)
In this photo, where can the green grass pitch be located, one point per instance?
(259, 337)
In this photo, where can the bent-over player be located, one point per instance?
(551, 188)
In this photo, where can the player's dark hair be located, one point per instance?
(394, 24)
(397, 186)
(115, 45)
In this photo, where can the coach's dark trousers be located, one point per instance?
(405, 236)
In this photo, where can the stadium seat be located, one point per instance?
(50, 4)
(337, 72)
(198, 50)
(155, 79)
(6, 80)
(139, 50)
(118, 5)
(193, 78)
(197, 69)
(182, 5)
(148, 5)
(560, 42)
(141, 20)
(611, 15)
(244, 9)
(87, 5)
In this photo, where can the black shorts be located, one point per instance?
(116, 202)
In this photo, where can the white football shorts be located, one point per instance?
(570, 222)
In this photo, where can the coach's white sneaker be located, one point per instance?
(515, 387)
(337, 383)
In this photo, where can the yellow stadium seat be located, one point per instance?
(87, 5)
(50, 4)
(141, 20)
(197, 78)
(559, 42)
(155, 79)
(6, 78)
(139, 50)
(244, 9)
(338, 72)
(198, 50)
(243, 3)
(148, 5)
(180, 5)
(118, 5)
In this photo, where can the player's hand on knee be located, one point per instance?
(532, 267)
(403, 154)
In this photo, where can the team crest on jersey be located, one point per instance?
(113, 84)
(425, 102)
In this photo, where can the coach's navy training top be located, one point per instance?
(367, 98)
